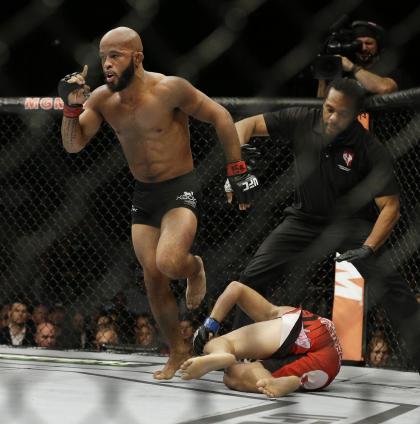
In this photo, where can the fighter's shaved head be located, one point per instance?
(125, 37)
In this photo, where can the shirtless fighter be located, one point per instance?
(149, 114)
(295, 349)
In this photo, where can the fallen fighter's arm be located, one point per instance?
(250, 301)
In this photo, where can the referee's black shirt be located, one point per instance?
(338, 178)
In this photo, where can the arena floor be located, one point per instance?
(42, 387)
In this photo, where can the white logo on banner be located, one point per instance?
(345, 274)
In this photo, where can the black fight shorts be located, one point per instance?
(151, 201)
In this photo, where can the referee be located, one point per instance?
(346, 200)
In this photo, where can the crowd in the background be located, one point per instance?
(113, 325)
(110, 325)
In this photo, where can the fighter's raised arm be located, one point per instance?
(80, 120)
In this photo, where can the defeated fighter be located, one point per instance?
(292, 348)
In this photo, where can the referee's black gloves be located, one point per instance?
(355, 254)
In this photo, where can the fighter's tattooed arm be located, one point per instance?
(76, 132)
(74, 139)
(69, 129)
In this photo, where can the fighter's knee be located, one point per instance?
(171, 264)
(235, 285)
(211, 346)
(232, 381)
(229, 381)
(219, 344)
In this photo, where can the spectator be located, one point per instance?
(46, 335)
(378, 351)
(144, 319)
(61, 320)
(73, 333)
(4, 315)
(18, 331)
(146, 337)
(81, 335)
(104, 320)
(106, 336)
(187, 328)
(57, 315)
(40, 314)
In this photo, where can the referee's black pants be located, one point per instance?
(301, 239)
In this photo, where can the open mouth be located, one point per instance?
(109, 77)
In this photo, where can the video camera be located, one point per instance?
(340, 41)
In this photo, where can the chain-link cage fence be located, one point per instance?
(65, 222)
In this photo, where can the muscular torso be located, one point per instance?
(153, 133)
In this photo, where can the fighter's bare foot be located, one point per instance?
(198, 366)
(172, 366)
(196, 287)
(269, 386)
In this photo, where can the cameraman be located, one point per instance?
(364, 65)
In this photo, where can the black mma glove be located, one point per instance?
(355, 254)
(241, 182)
(204, 333)
(65, 88)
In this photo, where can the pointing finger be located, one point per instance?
(85, 71)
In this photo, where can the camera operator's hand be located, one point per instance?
(347, 64)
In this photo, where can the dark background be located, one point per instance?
(226, 48)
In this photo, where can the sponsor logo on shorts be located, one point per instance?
(331, 329)
(303, 340)
(188, 198)
(137, 210)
